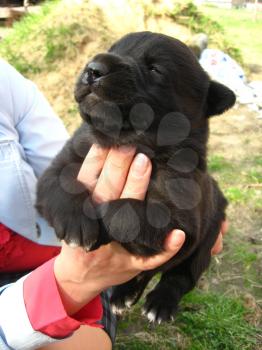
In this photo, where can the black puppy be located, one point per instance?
(148, 91)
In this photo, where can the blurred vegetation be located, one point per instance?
(241, 29)
(52, 37)
(188, 14)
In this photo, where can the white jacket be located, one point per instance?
(30, 136)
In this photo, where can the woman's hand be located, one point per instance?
(81, 275)
(218, 246)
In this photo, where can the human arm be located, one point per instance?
(28, 118)
(30, 137)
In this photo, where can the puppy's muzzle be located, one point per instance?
(108, 77)
(95, 70)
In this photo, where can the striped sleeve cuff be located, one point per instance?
(45, 309)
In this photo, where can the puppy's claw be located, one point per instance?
(128, 303)
(87, 248)
(73, 244)
(151, 315)
(117, 310)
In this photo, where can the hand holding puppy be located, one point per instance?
(82, 275)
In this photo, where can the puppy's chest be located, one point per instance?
(171, 181)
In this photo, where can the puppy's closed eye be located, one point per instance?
(155, 68)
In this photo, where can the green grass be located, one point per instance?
(238, 179)
(189, 15)
(240, 194)
(207, 321)
(242, 254)
(218, 163)
(241, 29)
(254, 175)
(258, 160)
(50, 36)
(60, 41)
(218, 324)
(12, 48)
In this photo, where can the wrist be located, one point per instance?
(74, 294)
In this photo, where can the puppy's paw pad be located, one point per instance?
(158, 308)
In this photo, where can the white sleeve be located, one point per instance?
(30, 137)
(16, 332)
(41, 133)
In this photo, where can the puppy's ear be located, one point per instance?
(219, 98)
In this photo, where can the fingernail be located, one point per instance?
(140, 164)
(178, 238)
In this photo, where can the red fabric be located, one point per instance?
(45, 309)
(42, 299)
(20, 254)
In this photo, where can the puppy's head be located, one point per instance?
(145, 82)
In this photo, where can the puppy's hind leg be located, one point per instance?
(127, 294)
(162, 302)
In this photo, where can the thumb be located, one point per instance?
(174, 241)
(173, 244)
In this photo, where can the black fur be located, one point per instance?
(148, 91)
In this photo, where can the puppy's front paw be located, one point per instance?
(131, 222)
(160, 306)
(77, 228)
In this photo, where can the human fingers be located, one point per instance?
(218, 246)
(173, 244)
(114, 173)
(138, 178)
(92, 166)
(224, 227)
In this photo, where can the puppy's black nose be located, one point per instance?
(95, 70)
